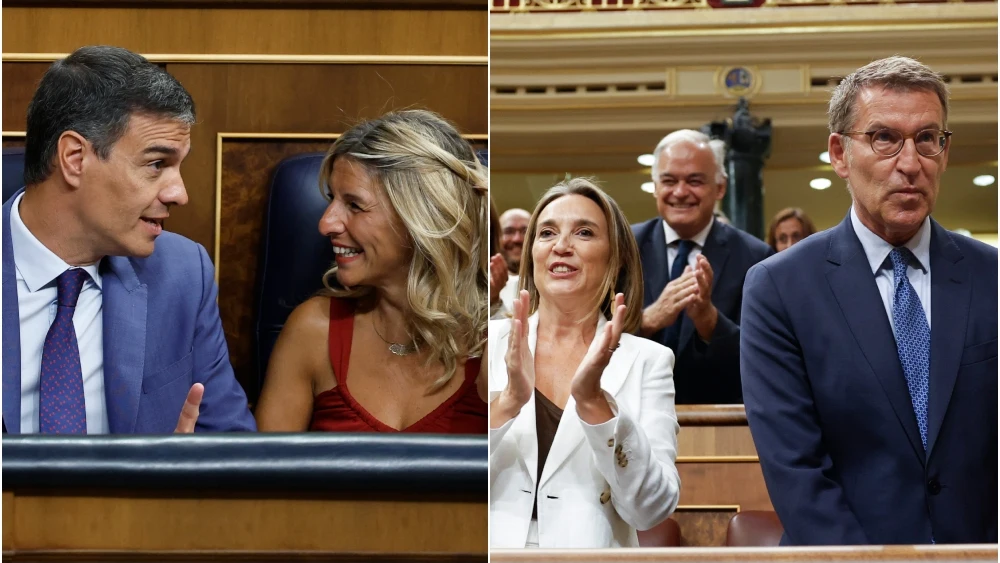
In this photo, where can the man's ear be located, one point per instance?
(838, 154)
(722, 189)
(71, 152)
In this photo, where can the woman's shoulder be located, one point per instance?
(310, 316)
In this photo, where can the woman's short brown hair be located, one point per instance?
(785, 214)
(624, 274)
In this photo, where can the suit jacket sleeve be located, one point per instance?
(224, 405)
(785, 426)
(645, 486)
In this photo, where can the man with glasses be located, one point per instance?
(513, 227)
(869, 351)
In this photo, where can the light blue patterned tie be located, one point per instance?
(913, 337)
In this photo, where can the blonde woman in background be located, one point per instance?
(395, 342)
(567, 361)
(789, 226)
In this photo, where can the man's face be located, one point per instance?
(513, 226)
(126, 198)
(686, 187)
(892, 194)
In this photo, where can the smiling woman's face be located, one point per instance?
(571, 249)
(368, 237)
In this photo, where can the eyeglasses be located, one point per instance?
(888, 142)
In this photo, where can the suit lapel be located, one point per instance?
(124, 314)
(950, 295)
(716, 251)
(525, 427)
(11, 331)
(853, 285)
(653, 256)
(569, 436)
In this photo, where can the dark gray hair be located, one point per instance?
(94, 92)
(895, 73)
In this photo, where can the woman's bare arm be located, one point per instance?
(297, 361)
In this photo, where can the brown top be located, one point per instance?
(547, 416)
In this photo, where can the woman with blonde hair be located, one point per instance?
(567, 360)
(394, 343)
(789, 226)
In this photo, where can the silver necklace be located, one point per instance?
(395, 347)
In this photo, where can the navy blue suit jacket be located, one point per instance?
(829, 408)
(162, 334)
(704, 374)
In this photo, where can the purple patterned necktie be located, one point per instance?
(61, 405)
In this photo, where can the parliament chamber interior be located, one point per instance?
(541, 90)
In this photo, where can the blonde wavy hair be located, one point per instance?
(624, 273)
(437, 187)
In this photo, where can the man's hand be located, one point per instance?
(189, 413)
(674, 298)
(498, 277)
(703, 313)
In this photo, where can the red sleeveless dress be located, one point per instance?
(335, 410)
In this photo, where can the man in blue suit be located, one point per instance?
(869, 351)
(693, 267)
(110, 324)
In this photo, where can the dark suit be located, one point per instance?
(162, 334)
(828, 403)
(704, 373)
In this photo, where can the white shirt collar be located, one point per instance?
(877, 249)
(36, 264)
(698, 239)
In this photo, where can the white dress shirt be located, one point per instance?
(877, 251)
(37, 268)
(698, 240)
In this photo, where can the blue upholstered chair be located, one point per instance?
(293, 254)
(13, 171)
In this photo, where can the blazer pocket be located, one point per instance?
(979, 353)
(169, 374)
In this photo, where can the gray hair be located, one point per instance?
(901, 74)
(717, 147)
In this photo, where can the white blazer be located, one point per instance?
(588, 496)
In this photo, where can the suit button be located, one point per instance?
(618, 449)
(611, 442)
(933, 487)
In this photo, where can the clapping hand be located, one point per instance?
(520, 368)
(675, 297)
(700, 309)
(498, 277)
(585, 388)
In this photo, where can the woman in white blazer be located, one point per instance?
(582, 423)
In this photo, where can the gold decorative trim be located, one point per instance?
(14, 134)
(707, 507)
(717, 459)
(218, 205)
(276, 59)
(508, 36)
(549, 6)
(471, 137)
